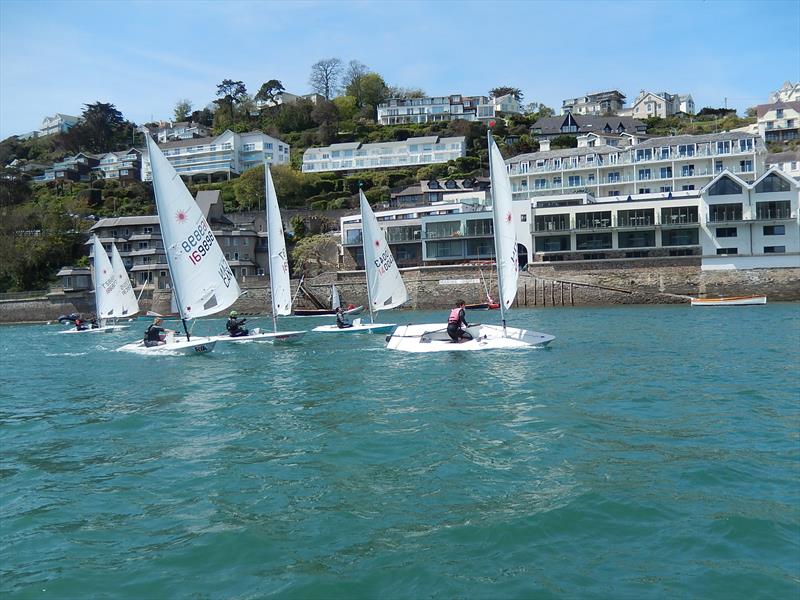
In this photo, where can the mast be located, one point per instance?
(496, 219)
(364, 252)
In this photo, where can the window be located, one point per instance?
(644, 174)
(718, 166)
(686, 150)
(725, 212)
(665, 188)
(687, 171)
(636, 239)
(142, 245)
(687, 188)
(774, 210)
(726, 232)
(523, 218)
(745, 166)
(724, 147)
(147, 230)
(772, 183)
(779, 113)
(644, 190)
(723, 251)
(666, 172)
(724, 187)
(680, 237)
(574, 180)
(774, 249)
(775, 230)
(613, 177)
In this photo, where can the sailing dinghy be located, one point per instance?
(279, 282)
(113, 294)
(202, 281)
(432, 337)
(385, 287)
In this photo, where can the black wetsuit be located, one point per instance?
(152, 335)
(454, 329)
(234, 327)
(341, 322)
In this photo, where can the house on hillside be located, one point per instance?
(595, 103)
(570, 124)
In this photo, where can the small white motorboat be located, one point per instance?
(729, 301)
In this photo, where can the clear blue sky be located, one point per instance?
(56, 56)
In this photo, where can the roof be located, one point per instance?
(429, 139)
(586, 123)
(763, 109)
(783, 157)
(122, 221)
(694, 139)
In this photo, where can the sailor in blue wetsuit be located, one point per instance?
(457, 324)
(155, 334)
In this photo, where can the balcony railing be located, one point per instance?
(774, 213)
(725, 216)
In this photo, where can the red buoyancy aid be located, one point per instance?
(454, 315)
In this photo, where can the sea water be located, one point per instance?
(650, 452)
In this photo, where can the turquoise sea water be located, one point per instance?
(650, 452)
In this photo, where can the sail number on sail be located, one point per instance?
(198, 243)
(384, 261)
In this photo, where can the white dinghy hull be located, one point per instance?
(174, 345)
(256, 335)
(358, 327)
(103, 329)
(432, 337)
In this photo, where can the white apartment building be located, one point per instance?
(779, 122)
(729, 224)
(789, 92)
(352, 156)
(227, 154)
(655, 165)
(595, 103)
(58, 123)
(788, 162)
(659, 104)
(167, 131)
(441, 233)
(445, 108)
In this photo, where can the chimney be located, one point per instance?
(544, 145)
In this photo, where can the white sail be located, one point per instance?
(105, 284)
(386, 287)
(278, 261)
(202, 279)
(504, 230)
(336, 302)
(127, 304)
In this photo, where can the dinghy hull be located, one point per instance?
(432, 337)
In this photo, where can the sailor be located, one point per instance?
(234, 325)
(341, 320)
(80, 324)
(457, 323)
(155, 334)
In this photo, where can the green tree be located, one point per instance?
(231, 93)
(346, 106)
(373, 90)
(564, 141)
(269, 91)
(326, 115)
(295, 116)
(101, 129)
(351, 82)
(504, 90)
(183, 110)
(315, 254)
(249, 189)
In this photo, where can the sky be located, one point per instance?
(56, 56)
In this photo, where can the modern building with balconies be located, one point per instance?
(354, 156)
(595, 103)
(779, 122)
(397, 111)
(226, 155)
(728, 224)
(655, 165)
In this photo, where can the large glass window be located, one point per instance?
(726, 232)
(680, 237)
(636, 239)
(593, 241)
(774, 210)
(724, 187)
(774, 249)
(477, 227)
(641, 217)
(775, 230)
(353, 236)
(772, 183)
(556, 243)
(480, 248)
(593, 219)
(446, 249)
(551, 222)
(725, 212)
(443, 229)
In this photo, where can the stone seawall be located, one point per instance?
(542, 284)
